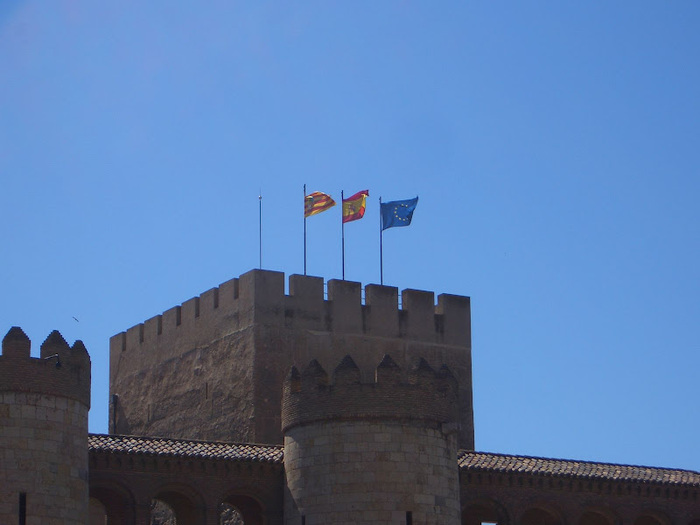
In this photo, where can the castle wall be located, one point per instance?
(213, 367)
(509, 497)
(382, 452)
(370, 472)
(43, 432)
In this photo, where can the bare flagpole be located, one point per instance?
(260, 223)
(381, 247)
(342, 228)
(304, 229)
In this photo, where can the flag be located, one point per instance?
(397, 213)
(317, 202)
(354, 207)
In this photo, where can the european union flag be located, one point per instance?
(397, 213)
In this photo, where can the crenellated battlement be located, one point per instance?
(259, 297)
(220, 359)
(417, 394)
(61, 370)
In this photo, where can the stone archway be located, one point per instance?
(652, 518)
(111, 504)
(540, 516)
(250, 510)
(186, 504)
(598, 517)
(486, 511)
(230, 515)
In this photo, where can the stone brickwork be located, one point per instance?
(213, 367)
(371, 453)
(43, 431)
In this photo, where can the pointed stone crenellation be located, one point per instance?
(427, 396)
(422, 374)
(60, 370)
(293, 380)
(16, 344)
(54, 344)
(314, 375)
(388, 371)
(347, 372)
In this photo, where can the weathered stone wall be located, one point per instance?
(370, 472)
(43, 432)
(526, 498)
(371, 453)
(213, 367)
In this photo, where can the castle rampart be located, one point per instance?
(212, 368)
(378, 452)
(258, 296)
(44, 406)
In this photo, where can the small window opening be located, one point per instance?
(22, 508)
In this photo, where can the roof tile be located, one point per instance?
(184, 448)
(489, 462)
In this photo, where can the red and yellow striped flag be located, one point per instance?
(354, 207)
(317, 202)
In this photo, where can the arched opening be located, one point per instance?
(649, 519)
(110, 504)
(177, 505)
(595, 518)
(249, 510)
(162, 513)
(98, 512)
(483, 512)
(540, 516)
(230, 515)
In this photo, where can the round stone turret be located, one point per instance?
(44, 405)
(381, 452)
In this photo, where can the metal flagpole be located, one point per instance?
(260, 223)
(304, 229)
(342, 228)
(381, 247)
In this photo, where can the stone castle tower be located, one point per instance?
(213, 368)
(44, 405)
(376, 443)
(378, 452)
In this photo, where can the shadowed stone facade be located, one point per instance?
(302, 408)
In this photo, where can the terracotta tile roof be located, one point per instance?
(184, 448)
(488, 462)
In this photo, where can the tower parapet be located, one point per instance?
(258, 296)
(61, 370)
(371, 452)
(44, 406)
(421, 395)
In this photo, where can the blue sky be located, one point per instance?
(553, 145)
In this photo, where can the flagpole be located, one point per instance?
(381, 247)
(260, 223)
(304, 229)
(342, 229)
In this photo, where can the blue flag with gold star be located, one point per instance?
(397, 213)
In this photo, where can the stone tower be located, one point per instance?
(44, 405)
(380, 452)
(213, 367)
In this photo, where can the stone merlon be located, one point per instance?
(258, 297)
